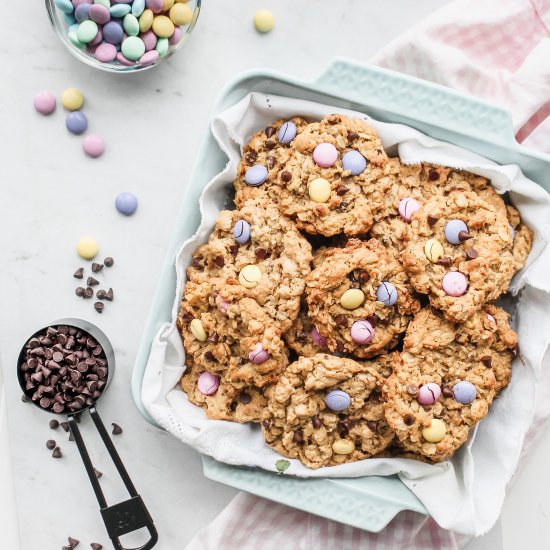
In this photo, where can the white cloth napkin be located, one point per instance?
(465, 493)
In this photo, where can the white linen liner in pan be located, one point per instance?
(465, 493)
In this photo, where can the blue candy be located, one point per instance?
(126, 203)
(76, 122)
(337, 400)
(287, 132)
(453, 230)
(256, 175)
(82, 12)
(66, 6)
(355, 162)
(465, 392)
(138, 7)
(241, 232)
(120, 10)
(69, 19)
(386, 293)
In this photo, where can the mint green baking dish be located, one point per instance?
(369, 502)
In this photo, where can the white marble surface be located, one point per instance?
(51, 195)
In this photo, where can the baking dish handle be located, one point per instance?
(410, 98)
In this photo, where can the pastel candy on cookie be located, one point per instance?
(325, 155)
(352, 298)
(433, 250)
(241, 232)
(337, 400)
(343, 447)
(456, 232)
(318, 340)
(354, 162)
(256, 175)
(362, 332)
(250, 275)
(464, 392)
(319, 190)
(428, 394)
(287, 132)
(208, 383)
(386, 293)
(435, 432)
(455, 284)
(407, 207)
(197, 330)
(258, 355)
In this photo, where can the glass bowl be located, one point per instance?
(61, 28)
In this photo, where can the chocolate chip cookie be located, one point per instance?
(326, 411)
(359, 299)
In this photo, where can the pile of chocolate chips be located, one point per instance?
(64, 369)
(88, 292)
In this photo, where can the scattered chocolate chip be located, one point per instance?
(471, 254)
(316, 421)
(244, 398)
(65, 426)
(270, 162)
(298, 436)
(447, 392)
(50, 444)
(373, 320)
(24, 398)
(234, 248)
(117, 430)
(73, 542)
(209, 356)
(96, 546)
(109, 262)
(270, 145)
(270, 131)
(260, 253)
(301, 336)
(101, 294)
(196, 262)
(90, 281)
(432, 220)
(342, 190)
(251, 157)
(341, 320)
(408, 419)
(340, 346)
(88, 292)
(98, 306)
(79, 273)
(433, 175)
(343, 206)
(412, 389)
(71, 436)
(352, 136)
(464, 236)
(109, 296)
(214, 338)
(363, 276)
(515, 351)
(372, 426)
(286, 176)
(266, 424)
(98, 474)
(445, 262)
(487, 360)
(57, 453)
(96, 268)
(79, 291)
(219, 261)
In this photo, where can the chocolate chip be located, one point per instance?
(260, 253)
(214, 338)
(98, 474)
(341, 320)
(515, 351)
(73, 542)
(427, 408)
(270, 162)
(433, 175)
(352, 136)
(88, 292)
(333, 119)
(464, 236)
(363, 277)
(109, 296)
(24, 398)
(343, 206)
(90, 281)
(266, 424)
(96, 546)
(251, 157)
(96, 268)
(408, 419)
(219, 261)
(445, 262)
(340, 346)
(471, 254)
(432, 220)
(244, 398)
(447, 392)
(57, 453)
(234, 248)
(209, 356)
(117, 430)
(196, 262)
(298, 436)
(50, 444)
(286, 176)
(301, 336)
(270, 131)
(487, 360)
(79, 273)
(342, 190)
(316, 421)
(372, 426)
(270, 145)
(412, 389)
(109, 262)
(373, 320)
(99, 306)
(101, 294)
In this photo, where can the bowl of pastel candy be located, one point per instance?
(123, 35)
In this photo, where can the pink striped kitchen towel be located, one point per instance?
(497, 50)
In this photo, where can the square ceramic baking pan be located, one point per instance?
(369, 502)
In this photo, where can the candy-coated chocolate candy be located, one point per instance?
(146, 20)
(465, 392)
(126, 203)
(176, 37)
(250, 275)
(337, 400)
(208, 383)
(343, 447)
(93, 146)
(149, 39)
(138, 7)
(428, 394)
(162, 46)
(154, 5)
(130, 24)
(241, 232)
(100, 14)
(120, 10)
(433, 250)
(73, 39)
(362, 332)
(105, 3)
(167, 4)
(97, 40)
(287, 132)
(149, 57)
(76, 122)
(65, 6)
(258, 355)
(264, 21)
(69, 18)
(163, 26)
(123, 60)
(82, 12)
(87, 248)
(181, 14)
(44, 102)
(386, 293)
(132, 48)
(453, 230)
(455, 283)
(354, 162)
(113, 33)
(197, 330)
(72, 99)
(407, 207)
(256, 175)
(491, 318)
(435, 432)
(319, 190)
(106, 52)
(325, 155)
(352, 298)
(87, 31)
(318, 340)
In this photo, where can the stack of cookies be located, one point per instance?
(346, 304)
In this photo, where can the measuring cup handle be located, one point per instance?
(124, 517)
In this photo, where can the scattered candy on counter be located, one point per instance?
(264, 21)
(93, 146)
(44, 102)
(72, 99)
(126, 203)
(337, 400)
(125, 32)
(87, 248)
(76, 123)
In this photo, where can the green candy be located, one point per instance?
(131, 25)
(133, 48)
(104, 3)
(87, 31)
(162, 46)
(73, 39)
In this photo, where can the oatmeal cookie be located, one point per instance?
(325, 411)
(258, 254)
(303, 337)
(522, 238)
(459, 253)
(322, 186)
(359, 298)
(270, 150)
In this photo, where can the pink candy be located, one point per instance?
(325, 155)
(93, 146)
(149, 39)
(318, 340)
(491, 318)
(106, 52)
(100, 14)
(407, 207)
(258, 355)
(44, 102)
(455, 283)
(154, 5)
(362, 332)
(428, 394)
(148, 58)
(208, 383)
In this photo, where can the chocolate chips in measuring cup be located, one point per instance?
(64, 369)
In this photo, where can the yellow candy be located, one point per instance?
(197, 330)
(87, 248)
(163, 27)
(435, 432)
(264, 21)
(181, 14)
(319, 190)
(250, 276)
(182, 1)
(167, 4)
(72, 99)
(343, 447)
(146, 20)
(352, 298)
(433, 250)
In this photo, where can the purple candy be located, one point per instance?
(428, 394)
(325, 155)
(208, 383)
(455, 283)
(318, 340)
(113, 33)
(241, 232)
(82, 13)
(100, 14)
(362, 332)
(126, 203)
(76, 122)
(386, 293)
(453, 230)
(256, 175)
(355, 162)
(407, 207)
(337, 400)
(77, 3)
(287, 132)
(465, 392)
(258, 355)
